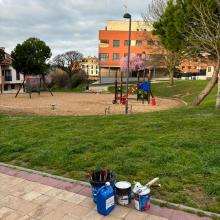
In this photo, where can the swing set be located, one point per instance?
(32, 84)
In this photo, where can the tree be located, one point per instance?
(68, 62)
(198, 21)
(163, 15)
(160, 13)
(31, 57)
(136, 63)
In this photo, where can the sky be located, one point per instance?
(65, 24)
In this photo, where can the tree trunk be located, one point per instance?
(171, 71)
(209, 87)
(218, 94)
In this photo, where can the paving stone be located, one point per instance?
(14, 216)
(88, 202)
(153, 217)
(31, 196)
(42, 199)
(25, 196)
(50, 182)
(12, 202)
(40, 212)
(54, 215)
(26, 217)
(53, 203)
(27, 207)
(66, 207)
(42, 188)
(80, 211)
(93, 215)
(53, 192)
(64, 195)
(76, 198)
(109, 217)
(120, 212)
(86, 191)
(70, 217)
(4, 212)
(66, 186)
(76, 188)
(135, 215)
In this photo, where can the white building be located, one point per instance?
(9, 78)
(91, 66)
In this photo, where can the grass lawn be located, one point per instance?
(181, 146)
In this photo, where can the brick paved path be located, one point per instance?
(25, 196)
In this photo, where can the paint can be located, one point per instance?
(123, 193)
(142, 198)
(98, 179)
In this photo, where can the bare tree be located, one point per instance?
(68, 62)
(155, 10)
(204, 37)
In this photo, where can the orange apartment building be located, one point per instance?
(114, 44)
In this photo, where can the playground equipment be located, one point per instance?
(32, 84)
(143, 91)
(118, 89)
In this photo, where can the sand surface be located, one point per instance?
(76, 104)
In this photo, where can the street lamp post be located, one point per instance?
(128, 16)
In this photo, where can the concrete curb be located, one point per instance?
(155, 201)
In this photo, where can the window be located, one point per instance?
(126, 43)
(17, 75)
(91, 71)
(209, 69)
(103, 56)
(138, 43)
(189, 67)
(8, 75)
(150, 42)
(115, 56)
(183, 67)
(137, 29)
(116, 43)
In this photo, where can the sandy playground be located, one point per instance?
(76, 104)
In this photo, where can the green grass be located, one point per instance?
(181, 146)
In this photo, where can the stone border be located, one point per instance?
(159, 202)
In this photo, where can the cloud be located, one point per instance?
(63, 25)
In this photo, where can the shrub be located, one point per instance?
(59, 78)
(77, 79)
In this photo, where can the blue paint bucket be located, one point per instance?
(142, 199)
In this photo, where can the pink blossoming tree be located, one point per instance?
(136, 63)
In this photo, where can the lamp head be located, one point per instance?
(127, 16)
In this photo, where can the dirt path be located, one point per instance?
(76, 104)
